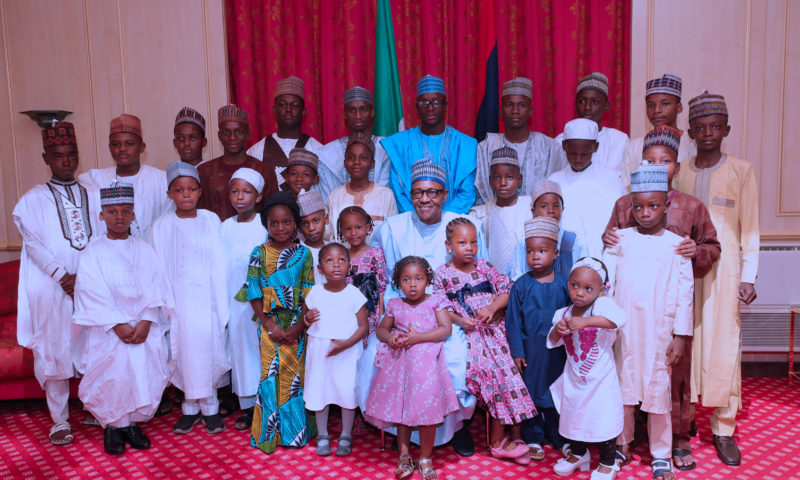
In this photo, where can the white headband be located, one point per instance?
(594, 264)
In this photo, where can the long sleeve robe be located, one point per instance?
(633, 156)
(332, 173)
(122, 281)
(730, 191)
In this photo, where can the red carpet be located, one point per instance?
(768, 433)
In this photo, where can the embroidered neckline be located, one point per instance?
(80, 223)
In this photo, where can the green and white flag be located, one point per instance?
(388, 102)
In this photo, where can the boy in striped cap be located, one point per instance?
(505, 214)
(190, 136)
(289, 110)
(539, 155)
(654, 285)
(215, 175)
(123, 307)
(358, 115)
(591, 102)
(662, 105)
(55, 221)
(729, 188)
(301, 171)
(437, 142)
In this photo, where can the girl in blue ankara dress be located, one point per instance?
(533, 301)
(279, 277)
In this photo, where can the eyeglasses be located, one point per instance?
(425, 103)
(432, 193)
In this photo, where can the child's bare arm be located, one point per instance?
(490, 312)
(124, 332)
(676, 350)
(466, 323)
(141, 331)
(274, 331)
(577, 323)
(310, 316)
(342, 345)
(438, 334)
(559, 331)
(384, 329)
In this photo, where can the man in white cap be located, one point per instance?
(539, 155)
(358, 113)
(590, 189)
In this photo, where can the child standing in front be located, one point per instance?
(533, 301)
(654, 285)
(411, 387)
(239, 234)
(477, 295)
(337, 321)
(279, 278)
(367, 264)
(587, 395)
(123, 301)
(187, 243)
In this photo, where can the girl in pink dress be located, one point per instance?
(478, 295)
(367, 265)
(411, 387)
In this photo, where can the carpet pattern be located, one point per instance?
(768, 434)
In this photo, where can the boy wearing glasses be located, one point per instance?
(440, 144)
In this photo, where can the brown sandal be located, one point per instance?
(405, 467)
(428, 473)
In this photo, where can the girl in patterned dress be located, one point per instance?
(478, 295)
(279, 277)
(411, 387)
(367, 264)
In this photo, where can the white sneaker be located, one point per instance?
(563, 467)
(598, 475)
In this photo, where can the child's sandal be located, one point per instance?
(537, 452)
(662, 468)
(405, 467)
(428, 473)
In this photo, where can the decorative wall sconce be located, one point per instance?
(46, 118)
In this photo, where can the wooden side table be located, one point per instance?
(793, 310)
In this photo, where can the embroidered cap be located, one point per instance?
(663, 135)
(250, 176)
(430, 84)
(594, 81)
(546, 186)
(668, 83)
(116, 194)
(181, 169)
(61, 133)
(650, 178)
(593, 263)
(310, 202)
(231, 113)
(357, 94)
(427, 170)
(291, 86)
(504, 156)
(519, 86)
(190, 115)
(126, 124)
(541, 227)
(707, 104)
(301, 156)
(580, 129)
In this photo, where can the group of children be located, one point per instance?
(217, 267)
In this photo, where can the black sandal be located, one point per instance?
(682, 453)
(245, 422)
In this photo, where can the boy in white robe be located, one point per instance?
(239, 235)
(588, 188)
(655, 286)
(187, 243)
(126, 144)
(122, 300)
(54, 220)
(504, 215)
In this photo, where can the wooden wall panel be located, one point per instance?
(100, 58)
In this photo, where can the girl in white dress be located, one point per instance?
(336, 316)
(587, 395)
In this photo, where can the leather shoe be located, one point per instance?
(136, 437)
(113, 443)
(727, 450)
(463, 443)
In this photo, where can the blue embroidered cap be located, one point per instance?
(650, 178)
(427, 170)
(430, 84)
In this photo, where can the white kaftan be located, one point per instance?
(610, 150)
(332, 173)
(505, 229)
(654, 286)
(150, 189)
(238, 240)
(191, 250)
(587, 395)
(122, 281)
(56, 221)
(589, 198)
(378, 201)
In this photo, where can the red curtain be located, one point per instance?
(331, 46)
